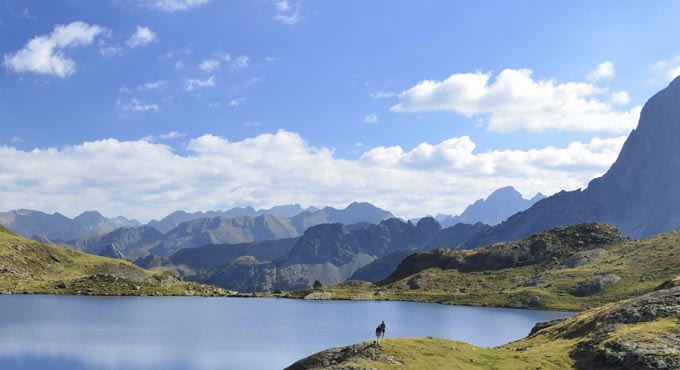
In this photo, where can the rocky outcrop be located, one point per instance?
(557, 244)
(583, 258)
(607, 348)
(112, 252)
(337, 358)
(598, 284)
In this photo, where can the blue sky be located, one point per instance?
(538, 95)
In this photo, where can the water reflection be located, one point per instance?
(39, 332)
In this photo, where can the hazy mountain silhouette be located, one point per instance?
(496, 208)
(56, 226)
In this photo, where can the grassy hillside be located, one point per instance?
(27, 266)
(640, 333)
(569, 268)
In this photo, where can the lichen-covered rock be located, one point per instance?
(319, 295)
(583, 258)
(598, 284)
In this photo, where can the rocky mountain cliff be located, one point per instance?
(131, 242)
(638, 194)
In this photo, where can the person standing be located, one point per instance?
(382, 329)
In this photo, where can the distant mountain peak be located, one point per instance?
(504, 193)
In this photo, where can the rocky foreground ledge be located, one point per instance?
(641, 333)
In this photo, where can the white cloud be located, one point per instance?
(135, 105)
(515, 101)
(169, 135)
(142, 37)
(620, 97)
(371, 118)
(16, 140)
(144, 180)
(288, 12)
(208, 65)
(604, 71)
(110, 50)
(174, 5)
(179, 64)
(668, 69)
(46, 54)
(236, 102)
(173, 135)
(240, 62)
(195, 83)
(156, 85)
(382, 94)
(177, 53)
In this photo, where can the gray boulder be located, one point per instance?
(583, 258)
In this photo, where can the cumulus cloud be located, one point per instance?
(174, 5)
(604, 71)
(135, 105)
(196, 83)
(288, 12)
(515, 101)
(620, 97)
(371, 118)
(669, 69)
(142, 37)
(47, 54)
(144, 180)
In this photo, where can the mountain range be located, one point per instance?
(173, 220)
(135, 242)
(56, 226)
(330, 253)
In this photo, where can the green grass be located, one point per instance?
(29, 267)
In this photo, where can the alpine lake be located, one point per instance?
(75, 332)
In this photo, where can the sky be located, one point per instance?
(139, 108)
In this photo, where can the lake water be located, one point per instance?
(54, 332)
